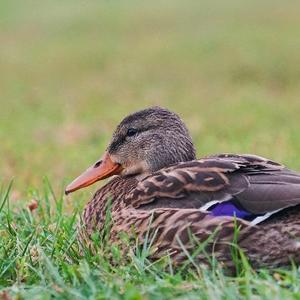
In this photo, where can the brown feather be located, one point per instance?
(165, 209)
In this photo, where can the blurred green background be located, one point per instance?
(71, 70)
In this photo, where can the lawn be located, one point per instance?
(70, 70)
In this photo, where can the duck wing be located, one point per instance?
(251, 184)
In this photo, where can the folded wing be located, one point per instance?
(250, 184)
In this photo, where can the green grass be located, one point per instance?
(70, 70)
(42, 258)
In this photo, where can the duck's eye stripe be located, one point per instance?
(131, 131)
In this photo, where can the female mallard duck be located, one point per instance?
(164, 191)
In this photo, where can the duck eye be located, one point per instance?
(131, 131)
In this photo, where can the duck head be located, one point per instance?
(144, 142)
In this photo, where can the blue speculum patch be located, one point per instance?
(228, 208)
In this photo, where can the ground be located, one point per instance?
(70, 70)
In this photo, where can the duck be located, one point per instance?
(191, 209)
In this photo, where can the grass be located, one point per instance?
(41, 258)
(70, 70)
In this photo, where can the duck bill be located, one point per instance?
(102, 169)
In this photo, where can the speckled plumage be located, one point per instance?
(172, 202)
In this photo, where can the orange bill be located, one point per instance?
(101, 169)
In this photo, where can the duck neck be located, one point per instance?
(109, 198)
